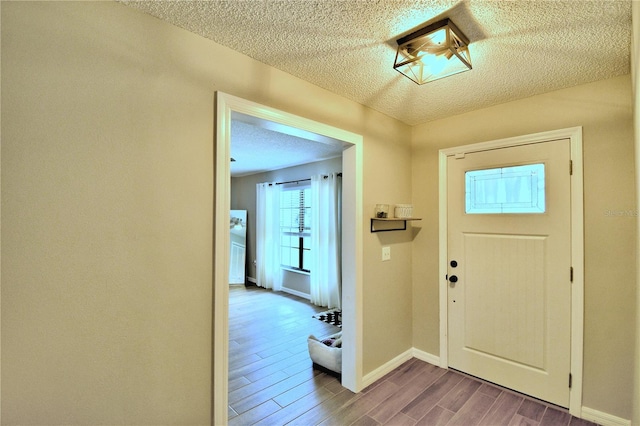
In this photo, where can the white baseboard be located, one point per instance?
(380, 372)
(603, 419)
(426, 357)
(396, 362)
(252, 280)
(296, 293)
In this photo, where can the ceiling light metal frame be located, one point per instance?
(433, 52)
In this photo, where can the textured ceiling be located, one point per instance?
(518, 48)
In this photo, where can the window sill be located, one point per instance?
(297, 271)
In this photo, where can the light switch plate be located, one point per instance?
(386, 253)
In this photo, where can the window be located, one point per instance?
(519, 189)
(295, 232)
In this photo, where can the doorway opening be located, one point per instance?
(351, 241)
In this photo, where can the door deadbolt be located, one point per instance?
(453, 263)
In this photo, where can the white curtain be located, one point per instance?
(269, 273)
(326, 267)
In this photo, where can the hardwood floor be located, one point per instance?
(272, 382)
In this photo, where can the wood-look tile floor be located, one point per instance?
(272, 381)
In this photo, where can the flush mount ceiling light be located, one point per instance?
(433, 52)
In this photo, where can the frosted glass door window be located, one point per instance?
(519, 189)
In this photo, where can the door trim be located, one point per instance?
(574, 134)
(352, 186)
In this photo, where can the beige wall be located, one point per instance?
(604, 110)
(635, 63)
(107, 182)
(387, 285)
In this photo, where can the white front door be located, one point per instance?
(509, 252)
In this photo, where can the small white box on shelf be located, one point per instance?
(402, 211)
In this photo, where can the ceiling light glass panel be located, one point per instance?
(436, 51)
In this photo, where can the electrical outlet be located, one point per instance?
(386, 253)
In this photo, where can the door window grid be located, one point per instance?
(517, 189)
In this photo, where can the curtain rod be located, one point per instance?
(303, 180)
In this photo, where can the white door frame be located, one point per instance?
(574, 134)
(352, 184)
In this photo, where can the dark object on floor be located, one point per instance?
(333, 317)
